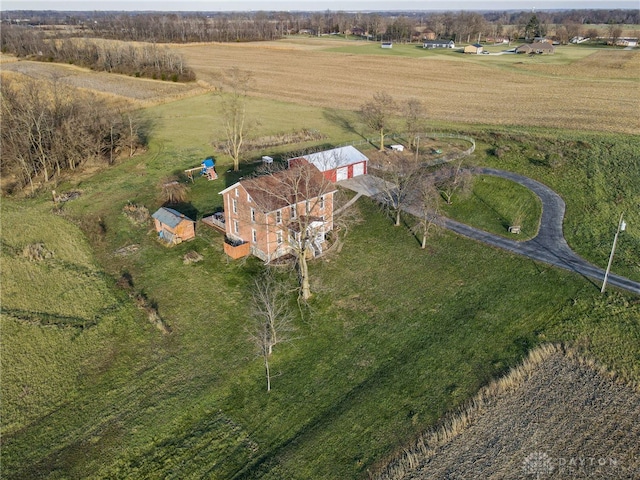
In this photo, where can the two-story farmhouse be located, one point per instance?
(280, 213)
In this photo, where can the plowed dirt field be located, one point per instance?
(600, 91)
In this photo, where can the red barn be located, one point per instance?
(337, 164)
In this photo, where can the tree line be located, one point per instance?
(181, 27)
(48, 129)
(146, 60)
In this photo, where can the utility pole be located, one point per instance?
(621, 228)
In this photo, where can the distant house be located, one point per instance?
(262, 214)
(438, 44)
(428, 35)
(539, 47)
(338, 163)
(475, 48)
(627, 42)
(172, 226)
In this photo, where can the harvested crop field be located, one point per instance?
(574, 93)
(134, 91)
(556, 416)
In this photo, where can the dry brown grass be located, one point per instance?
(599, 92)
(135, 92)
(586, 94)
(567, 411)
(602, 65)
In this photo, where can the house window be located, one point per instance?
(294, 237)
(236, 226)
(237, 194)
(321, 202)
(279, 237)
(235, 205)
(278, 216)
(254, 235)
(293, 211)
(253, 214)
(306, 207)
(248, 198)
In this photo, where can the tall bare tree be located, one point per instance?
(304, 200)
(272, 321)
(377, 114)
(453, 179)
(234, 114)
(400, 173)
(427, 198)
(614, 32)
(415, 119)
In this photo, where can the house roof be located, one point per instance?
(438, 42)
(170, 217)
(536, 46)
(287, 187)
(335, 158)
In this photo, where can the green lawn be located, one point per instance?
(393, 338)
(495, 204)
(565, 54)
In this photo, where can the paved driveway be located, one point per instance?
(548, 246)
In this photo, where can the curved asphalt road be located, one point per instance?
(549, 246)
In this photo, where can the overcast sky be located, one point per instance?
(334, 5)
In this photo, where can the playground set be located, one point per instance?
(206, 168)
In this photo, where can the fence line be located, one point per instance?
(374, 141)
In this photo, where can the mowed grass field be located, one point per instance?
(393, 339)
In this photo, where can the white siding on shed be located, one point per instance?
(342, 173)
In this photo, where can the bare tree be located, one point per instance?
(400, 173)
(49, 128)
(427, 198)
(414, 117)
(272, 321)
(303, 200)
(453, 179)
(592, 33)
(614, 32)
(234, 114)
(377, 114)
(573, 28)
